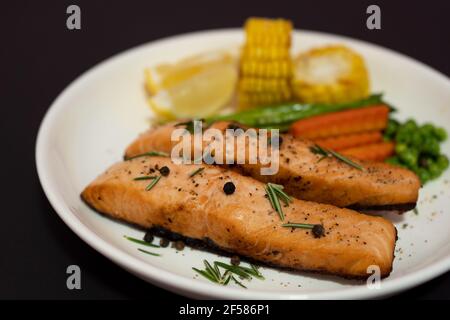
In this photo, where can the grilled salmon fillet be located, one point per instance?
(379, 186)
(244, 221)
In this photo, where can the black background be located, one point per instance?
(40, 57)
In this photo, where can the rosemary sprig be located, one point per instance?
(234, 269)
(150, 253)
(148, 244)
(149, 154)
(213, 274)
(275, 193)
(153, 183)
(144, 178)
(197, 171)
(316, 149)
(241, 271)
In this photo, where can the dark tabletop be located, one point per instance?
(41, 57)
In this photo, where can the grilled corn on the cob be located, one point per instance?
(332, 74)
(265, 65)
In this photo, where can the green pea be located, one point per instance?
(424, 176)
(431, 147)
(402, 136)
(391, 128)
(440, 133)
(416, 139)
(400, 148)
(434, 170)
(442, 162)
(410, 125)
(427, 129)
(409, 157)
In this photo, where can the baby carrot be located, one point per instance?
(350, 140)
(342, 122)
(374, 152)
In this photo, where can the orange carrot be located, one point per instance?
(350, 140)
(343, 122)
(374, 152)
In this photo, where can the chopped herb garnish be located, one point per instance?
(212, 273)
(144, 178)
(325, 153)
(275, 193)
(416, 211)
(148, 252)
(153, 183)
(145, 243)
(193, 173)
(149, 154)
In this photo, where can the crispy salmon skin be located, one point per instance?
(377, 186)
(244, 221)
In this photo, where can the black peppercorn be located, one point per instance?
(164, 171)
(229, 188)
(318, 231)
(179, 245)
(235, 260)
(164, 243)
(148, 237)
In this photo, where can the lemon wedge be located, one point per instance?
(164, 76)
(198, 95)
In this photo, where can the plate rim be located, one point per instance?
(182, 284)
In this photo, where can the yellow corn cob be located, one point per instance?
(330, 74)
(259, 85)
(251, 53)
(265, 65)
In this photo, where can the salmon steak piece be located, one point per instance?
(233, 213)
(305, 175)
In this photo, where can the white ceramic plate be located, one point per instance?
(88, 126)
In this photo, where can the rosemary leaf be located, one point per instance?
(149, 154)
(274, 201)
(238, 283)
(205, 274)
(144, 243)
(234, 269)
(211, 270)
(197, 171)
(144, 178)
(316, 149)
(298, 225)
(148, 252)
(153, 183)
(345, 160)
